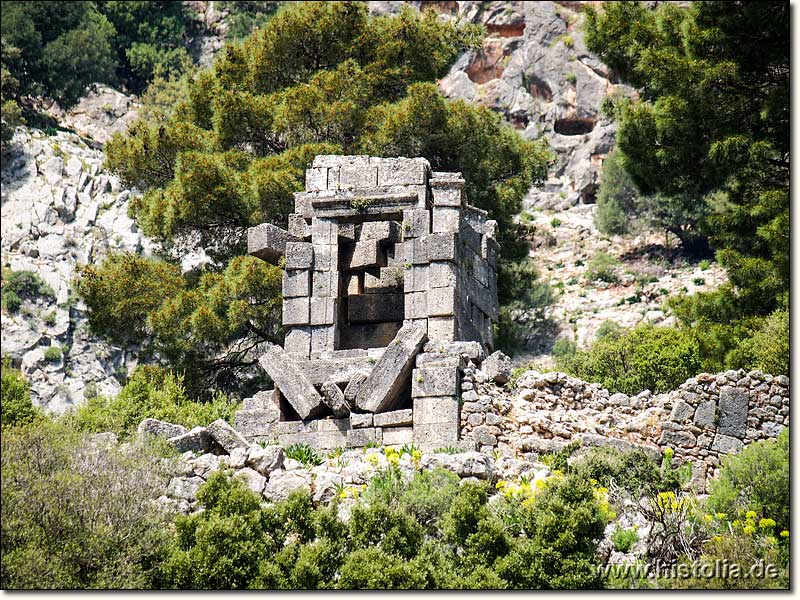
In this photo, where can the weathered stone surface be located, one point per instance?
(416, 223)
(362, 255)
(282, 483)
(725, 444)
(432, 410)
(733, 404)
(398, 436)
(677, 439)
(388, 231)
(265, 460)
(354, 385)
(361, 420)
(705, 414)
(159, 429)
(296, 311)
(323, 311)
(339, 370)
(268, 242)
(296, 283)
(442, 302)
(473, 350)
(290, 381)
(333, 396)
(393, 418)
(381, 389)
(195, 440)
(434, 381)
(375, 308)
(184, 488)
(357, 438)
(681, 411)
(497, 367)
(436, 246)
(299, 255)
(226, 436)
(389, 280)
(401, 171)
(254, 480)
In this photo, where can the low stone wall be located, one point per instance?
(713, 415)
(705, 418)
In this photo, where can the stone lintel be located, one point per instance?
(291, 381)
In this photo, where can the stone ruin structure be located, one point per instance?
(389, 290)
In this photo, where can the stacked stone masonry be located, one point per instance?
(381, 257)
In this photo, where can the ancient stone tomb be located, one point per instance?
(389, 290)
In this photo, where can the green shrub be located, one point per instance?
(22, 285)
(646, 357)
(564, 348)
(304, 454)
(704, 264)
(756, 479)
(634, 471)
(53, 354)
(624, 539)
(601, 268)
(15, 403)
(78, 513)
(608, 329)
(151, 392)
(559, 550)
(767, 348)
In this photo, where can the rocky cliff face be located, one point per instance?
(534, 68)
(60, 209)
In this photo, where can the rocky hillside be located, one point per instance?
(60, 209)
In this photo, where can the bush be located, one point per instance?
(624, 539)
(615, 197)
(634, 471)
(15, 403)
(756, 479)
(767, 348)
(53, 354)
(608, 329)
(601, 268)
(77, 512)
(559, 551)
(647, 357)
(150, 392)
(23, 285)
(563, 348)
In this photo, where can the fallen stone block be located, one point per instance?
(265, 460)
(354, 385)
(253, 480)
(390, 374)
(226, 436)
(333, 396)
(497, 367)
(195, 440)
(290, 381)
(184, 488)
(160, 429)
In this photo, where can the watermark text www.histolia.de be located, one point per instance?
(717, 569)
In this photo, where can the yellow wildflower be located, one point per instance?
(708, 518)
(720, 516)
(764, 523)
(749, 529)
(784, 534)
(750, 514)
(736, 523)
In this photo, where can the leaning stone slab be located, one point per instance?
(268, 242)
(354, 385)
(290, 381)
(226, 436)
(196, 440)
(382, 388)
(160, 429)
(333, 396)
